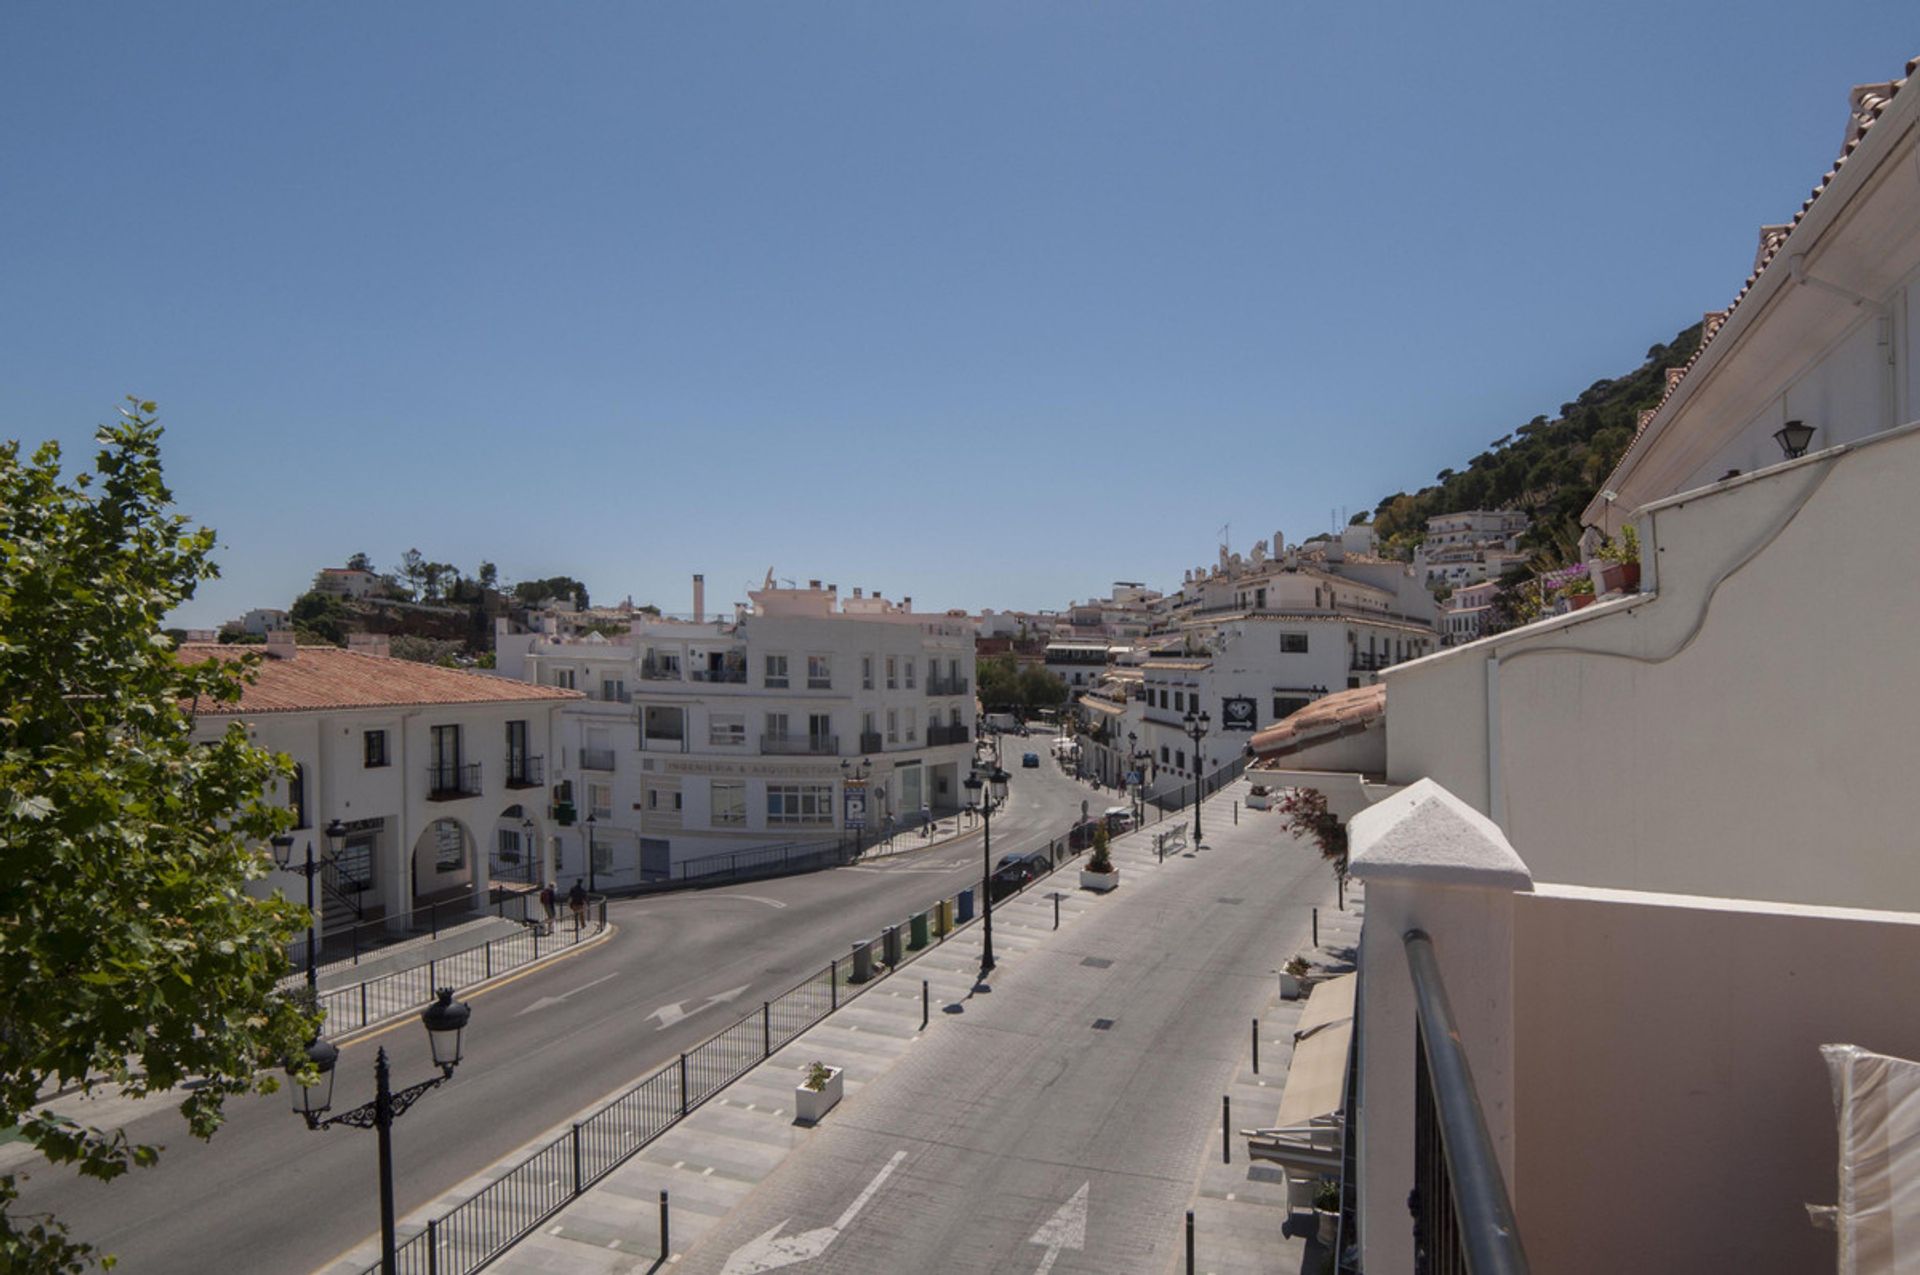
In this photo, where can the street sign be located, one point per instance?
(856, 807)
(1133, 776)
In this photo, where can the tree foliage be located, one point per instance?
(534, 592)
(1305, 814)
(129, 951)
(1552, 469)
(323, 617)
(1005, 686)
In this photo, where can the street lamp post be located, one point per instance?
(588, 826)
(335, 833)
(995, 785)
(1196, 724)
(446, 1022)
(536, 867)
(856, 777)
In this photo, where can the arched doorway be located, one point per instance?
(443, 863)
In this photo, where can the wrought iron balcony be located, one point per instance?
(657, 672)
(939, 735)
(800, 745)
(447, 783)
(946, 686)
(736, 675)
(870, 741)
(526, 772)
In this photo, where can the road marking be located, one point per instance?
(545, 1001)
(770, 1250)
(1067, 1228)
(684, 899)
(671, 1014)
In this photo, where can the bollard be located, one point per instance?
(683, 1085)
(833, 982)
(1316, 927)
(917, 931)
(1189, 1242)
(664, 1247)
(1256, 1046)
(576, 1157)
(1341, 880)
(965, 908)
(926, 1003)
(862, 962)
(1236, 812)
(1056, 909)
(1226, 1129)
(891, 946)
(766, 1032)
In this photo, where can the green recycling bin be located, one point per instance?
(917, 931)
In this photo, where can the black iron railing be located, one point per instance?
(946, 686)
(526, 772)
(869, 741)
(1463, 1221)
(938, 735)
(444, 783)
(719, 675)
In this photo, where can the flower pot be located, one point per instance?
(1099, 880)
(809, 1105)
(1290, 988)
(1615, 577)
(1578, 600)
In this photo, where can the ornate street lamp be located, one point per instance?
(336, 834)
(446, 1024)
(852, 776)
(587, 827)
(995, 795)
(1793, 438)
(1196, 725)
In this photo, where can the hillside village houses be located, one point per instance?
(347, 582)
(1470, 546)
(1250, 641)
(436, 775)
(1660, 851)
(1465, 614)
(702, 735)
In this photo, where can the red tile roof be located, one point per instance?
(1341, 713)
(323, 677)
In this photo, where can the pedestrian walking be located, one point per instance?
(549, 897)
(889, 830)
(577, 900)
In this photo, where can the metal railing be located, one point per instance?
(760, 861)
(719, 675)
(444, 783)
(526, 772)
(938, 735)
(596, 759)
(946, 686)
(653, 672)
(1463, 1221)
(800, 745)
(359, 1005)
(870, 741)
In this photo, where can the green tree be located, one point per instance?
(413, 570)
(999, 683)
(129, 951)
(1037, 688)
(534, 592)
(322, 616)
(360, 562)
(488, 575)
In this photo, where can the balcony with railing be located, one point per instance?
(449, 783)
(800, 745)
(947, 686)
(660, 670)
(938, 736)
(526, 772)
(870, 741)
(596, 759)
(662, 744)
(736, 676)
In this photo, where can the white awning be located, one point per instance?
(1317, 1080)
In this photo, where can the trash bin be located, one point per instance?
(862, 962)
(917, 923)
(943, 918)
(891, 946)
(965, 906)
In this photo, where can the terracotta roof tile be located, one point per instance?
(323, 677)
(1339, 713)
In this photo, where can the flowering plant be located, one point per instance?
(1306, 813)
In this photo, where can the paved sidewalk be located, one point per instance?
(735, 1163)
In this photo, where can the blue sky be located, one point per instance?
(990, 304)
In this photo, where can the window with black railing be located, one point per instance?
(446, 781)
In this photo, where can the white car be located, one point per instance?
(1260, 797)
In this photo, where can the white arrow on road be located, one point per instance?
(545, 1001)
(770, 1250)
(1065, 1229)
(671, 1014)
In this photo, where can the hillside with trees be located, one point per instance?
(1549, 467)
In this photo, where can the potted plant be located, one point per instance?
(1099, 874)
(1616, 563)
(817, 1092)
(1326, 1207)
(1579, 593)
(1292, 978)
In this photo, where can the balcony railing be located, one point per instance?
(946, 686)
(526, 772)
(654, 672)
(445, 783)
(1462, 1215)
(736, 675)
(663, 744)
(596, 759)
(869, 741)
(800, 745)
(939, 735)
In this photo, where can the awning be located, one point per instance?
(1306, 1136)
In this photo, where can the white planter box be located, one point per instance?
(1099, 880)
(1290, 988)
(809, 1105)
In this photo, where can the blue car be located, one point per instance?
(1031, 761)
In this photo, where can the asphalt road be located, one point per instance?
(267, 1195)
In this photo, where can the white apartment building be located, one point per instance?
(1080, 665)
(1464, 616)
(701, 736)
(1661, 849)
(1470, 546)
(436, 774)
(347, 582)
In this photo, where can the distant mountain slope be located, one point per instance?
(1550, 468)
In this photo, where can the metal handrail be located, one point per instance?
(1483, 1212)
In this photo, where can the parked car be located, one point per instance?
(1016, 870)
(1030, 760)
(1119, 819)
(1260, 797)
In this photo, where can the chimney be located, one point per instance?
(282, 645)
(906, 603)
(856, 590)
(699, 599)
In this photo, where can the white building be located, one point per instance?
(1661, 849)
(1465, 615)
(1079, 664)
(1470, 546)
(264, 620)
(700, 736)
(346, 582)
(436, 774)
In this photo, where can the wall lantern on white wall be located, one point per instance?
(1793, 438)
